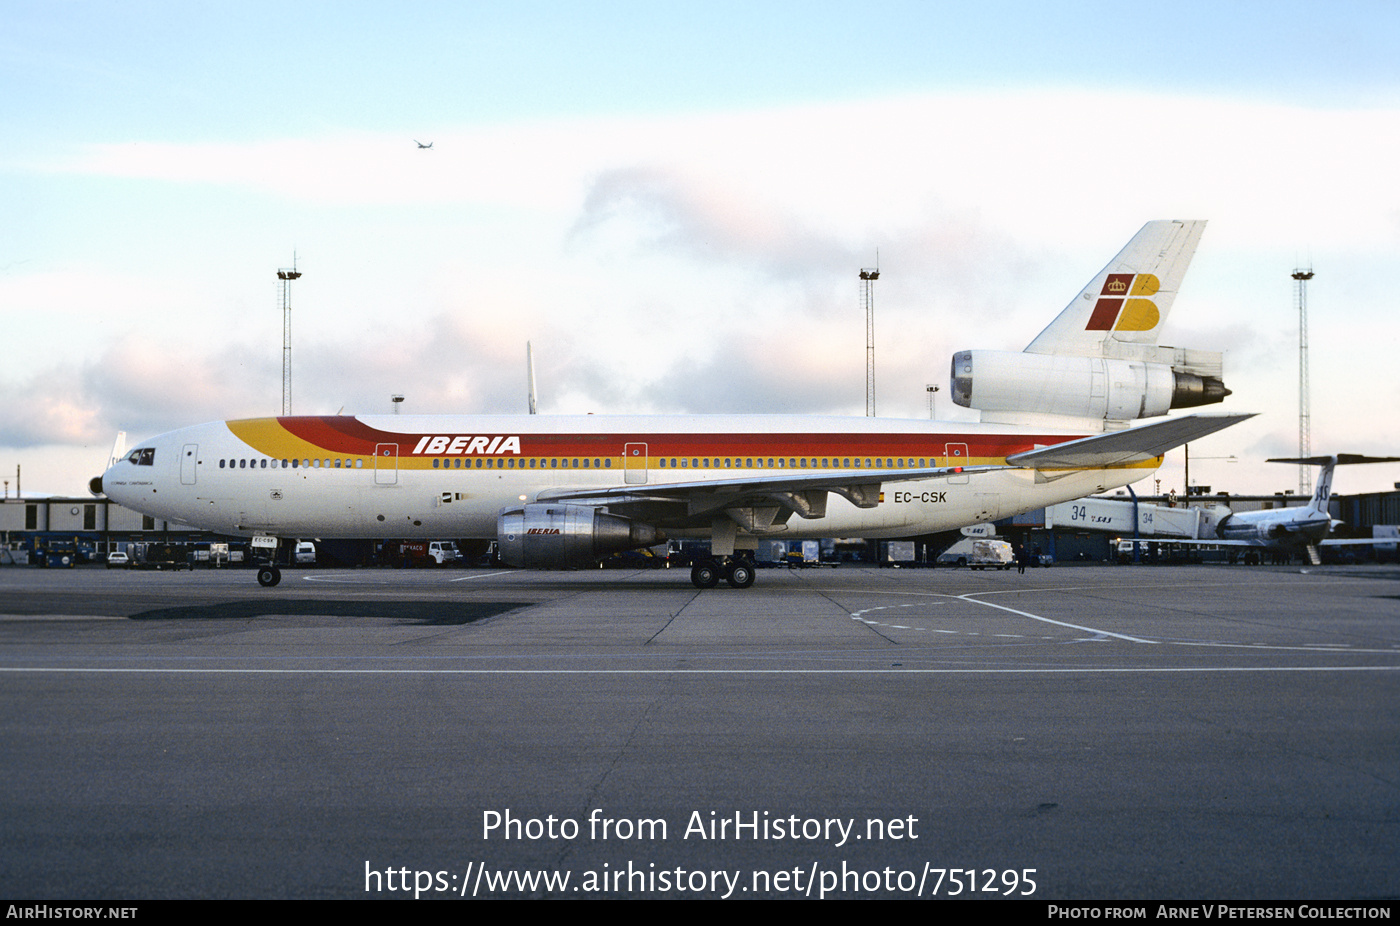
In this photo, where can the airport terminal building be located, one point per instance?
(60, 531)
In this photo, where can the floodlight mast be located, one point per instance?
(287, 276)
(1301, 277)
(868, 276)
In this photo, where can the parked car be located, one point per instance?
(118, 560)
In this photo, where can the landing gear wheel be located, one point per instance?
(705, 575)
(739, 575)
(269, 576)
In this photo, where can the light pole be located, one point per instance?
(1187, 447)
(287, 276)
(868, 276)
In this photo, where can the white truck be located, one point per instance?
(425, 553)
(976, 553)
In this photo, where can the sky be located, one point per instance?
(672, 203)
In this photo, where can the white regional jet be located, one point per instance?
(1292, 529)
(557, 491)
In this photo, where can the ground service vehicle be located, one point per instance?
(424, 553)
(977, 553)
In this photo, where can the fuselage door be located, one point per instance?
(634, 464)
(189, 459)
(386, 464)
(955, 455)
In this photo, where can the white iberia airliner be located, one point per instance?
(557, 491)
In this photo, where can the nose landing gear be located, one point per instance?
(269, 576)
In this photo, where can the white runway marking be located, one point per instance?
(1170, 670)
(971, 599)
(483, 576)
(366, 580)
(31, 618)
(1036, 617)
(348, 580)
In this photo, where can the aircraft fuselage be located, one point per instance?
(447, 476)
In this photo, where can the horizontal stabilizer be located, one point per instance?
(1341, 459)
(1134, 445)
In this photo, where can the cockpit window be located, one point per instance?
(142, 456)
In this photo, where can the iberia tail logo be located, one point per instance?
(1123, 305)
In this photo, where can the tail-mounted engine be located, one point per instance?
(1102, 388)
(545, 536)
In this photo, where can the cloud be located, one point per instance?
(47, 410)
(696, 263)
(707, 221)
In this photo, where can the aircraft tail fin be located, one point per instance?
(118, 449)
(530, 376)
(1098, 365)
(1322, 492)
(1128, 300)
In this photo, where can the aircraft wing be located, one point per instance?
(775, 497)
(1131, 445)
(1218, 542)
(1341, 459)
(764, 503)
(1194, 541)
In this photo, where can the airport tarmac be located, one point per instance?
(1071, 733)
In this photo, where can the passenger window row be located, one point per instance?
(269, 463)
(524, 463)
(791, 462)
(146, 458)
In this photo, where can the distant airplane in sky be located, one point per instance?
(421, 145)
(558, 490)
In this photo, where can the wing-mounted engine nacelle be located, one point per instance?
(545, 536)
(1104, 388)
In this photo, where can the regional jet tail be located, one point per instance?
(558, 491)
(1289, 530)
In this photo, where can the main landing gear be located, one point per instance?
(737, 572)
(269, 576)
